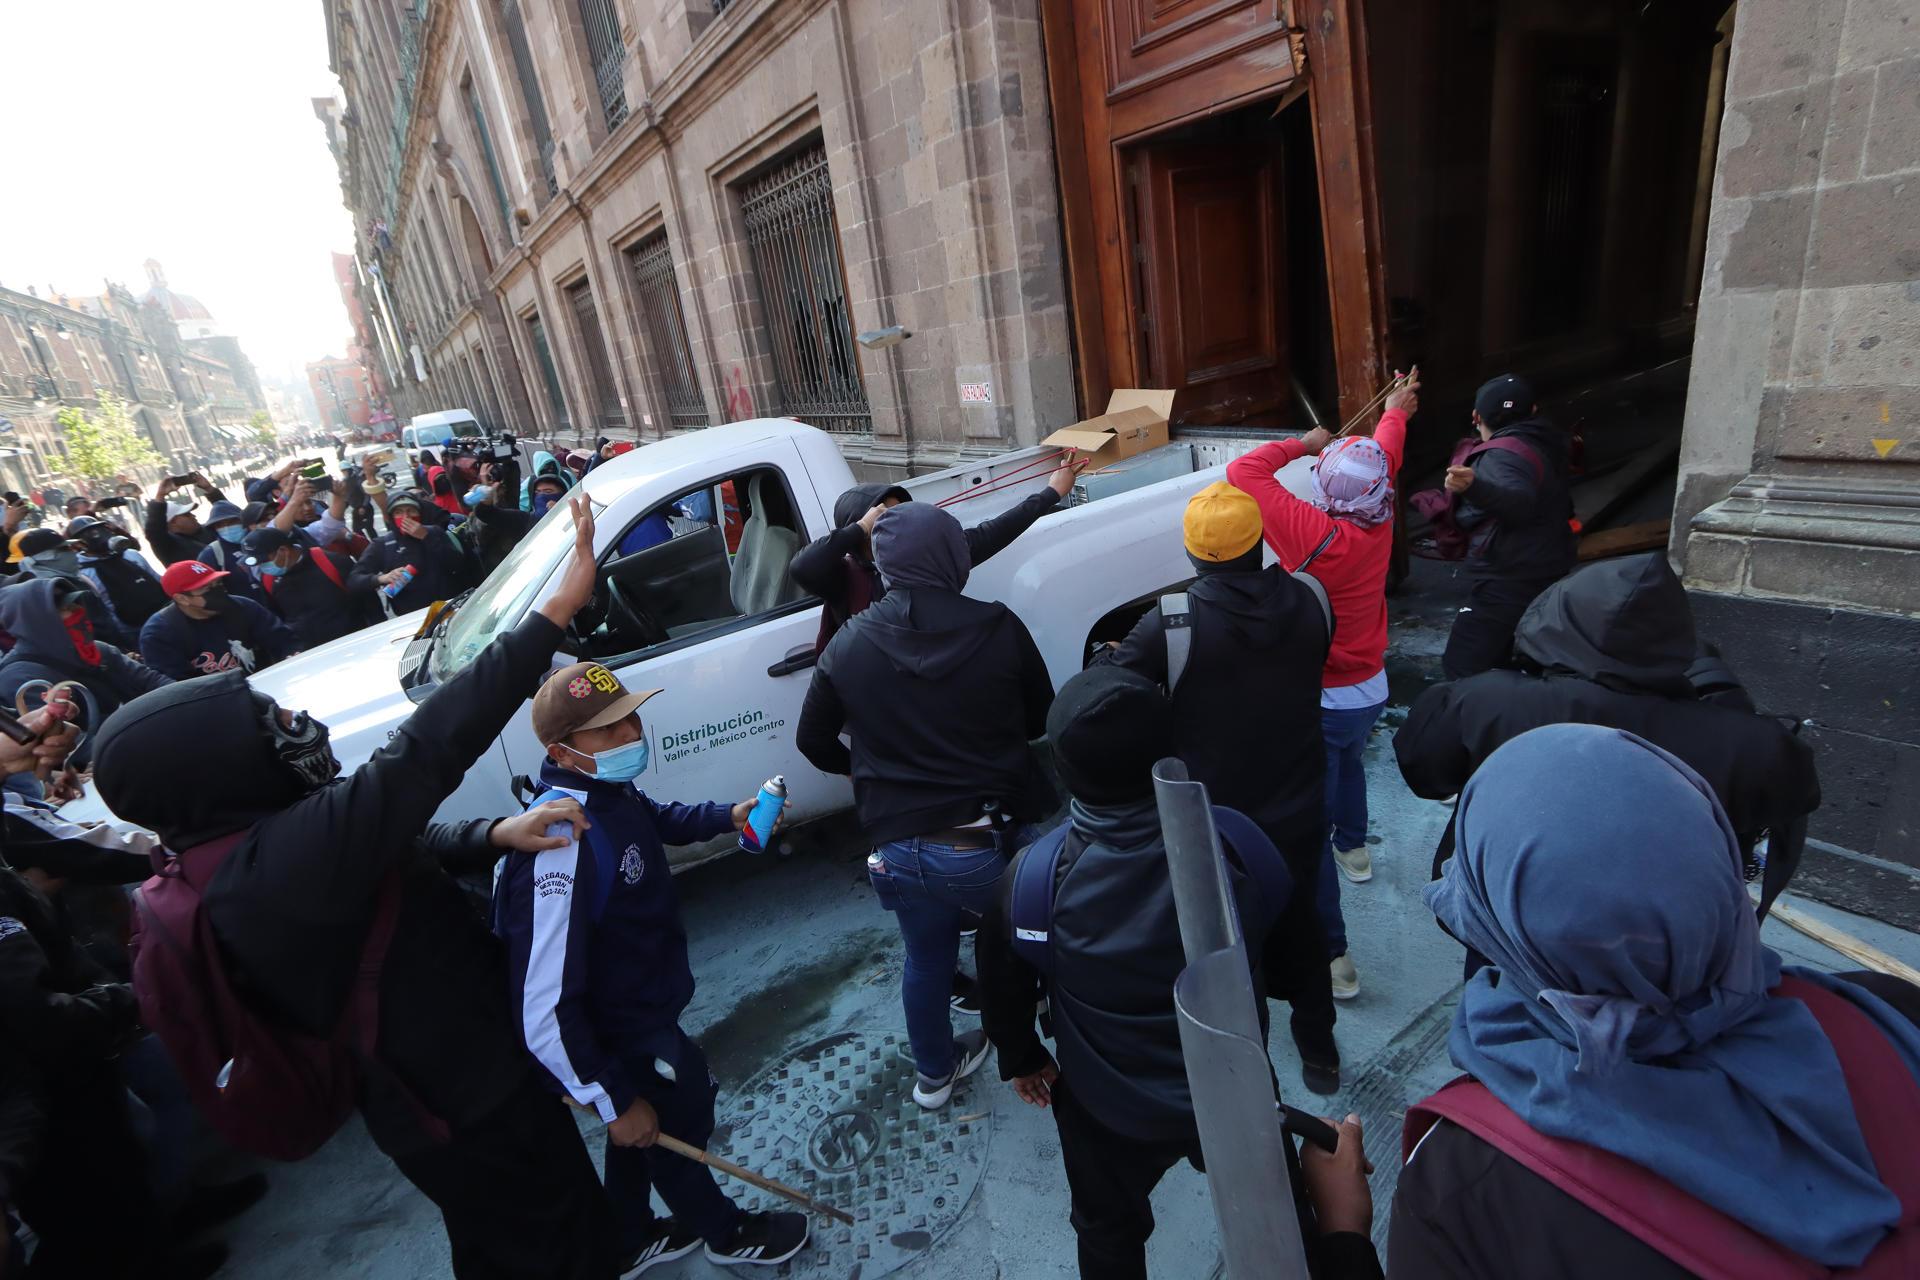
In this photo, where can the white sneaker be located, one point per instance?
(1355, 864)
(969, 1051)
(1346, 979)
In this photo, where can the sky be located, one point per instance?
(182, 132)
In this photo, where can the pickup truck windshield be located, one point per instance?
(504, 598)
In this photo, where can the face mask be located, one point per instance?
(268, 569)
(542, 501)
(215, 600)
(303, 746)
(231, 533)
(619, 764)
(62, 561)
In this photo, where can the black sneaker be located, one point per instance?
(668, 1241)
(761, 1240)
(966, 995)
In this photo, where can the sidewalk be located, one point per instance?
(799, 973)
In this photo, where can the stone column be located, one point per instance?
(1798, 520)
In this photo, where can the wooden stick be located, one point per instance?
(733, 1170)
(1843, 942)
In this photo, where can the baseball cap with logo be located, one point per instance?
(583, 696)
(1508, 398)
(189, 576)
(1222, 523)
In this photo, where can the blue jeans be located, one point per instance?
(1346, 733)
(929, 887)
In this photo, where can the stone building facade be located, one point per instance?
(630, 217)
(1798, 518)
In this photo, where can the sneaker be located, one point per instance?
(761, 1240)
(1346, 979)
(966, 995)
(969, 1051)
(1319, 1062)
(667, 1241)
(1355, 864)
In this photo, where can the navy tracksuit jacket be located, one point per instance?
(596, 949)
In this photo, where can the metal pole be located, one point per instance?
(1228, 1074)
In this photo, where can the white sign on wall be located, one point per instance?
(976, 393)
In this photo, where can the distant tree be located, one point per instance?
(105, 445)
(262, 424)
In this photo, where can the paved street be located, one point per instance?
(791, 953)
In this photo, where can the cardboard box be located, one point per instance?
(1135, 421)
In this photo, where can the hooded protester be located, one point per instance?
(602, 452)
(49, 557)
(440, 484)
(839, 568)
(941, 695)
(1612, 644)
(1515, 504)
(311, 587)
(205, 630)
(498, 529)
(1119, 1093)
(1631, 1047)
(544, 464)
(173, 531)
(1346, 535)
(227, 552)
(53, 641)
(292, 902)
(115, 568)
(1258, 640)
(416, 562)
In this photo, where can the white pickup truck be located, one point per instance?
(710, 616)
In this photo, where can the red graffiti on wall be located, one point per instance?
(739, 398)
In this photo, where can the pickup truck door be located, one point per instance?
(732, 657)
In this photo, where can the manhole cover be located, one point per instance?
(838, 1121)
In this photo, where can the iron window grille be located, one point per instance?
(796, 257)
(515, 26)
(609, 58)
(593, 343)
(658, 293)
(486, 154)
(549, 375)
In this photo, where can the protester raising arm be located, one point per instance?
(990, 537)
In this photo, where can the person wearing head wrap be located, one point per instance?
(941, 695)
(1344, 538)
(1516, 507)
(1257, 639)
(1630, 1006)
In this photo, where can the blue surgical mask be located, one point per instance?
(619, 764)
(230, 533)
(476, 495)
(268, 569)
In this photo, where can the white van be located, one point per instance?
(432, 430)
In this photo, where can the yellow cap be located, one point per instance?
(13, 547)
(1223, 523)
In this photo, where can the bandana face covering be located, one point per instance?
(1353, 479)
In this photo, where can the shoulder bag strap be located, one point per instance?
(1031, 905)
(1176, 619)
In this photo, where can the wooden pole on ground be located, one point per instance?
(1845, 943)
(733, 1170)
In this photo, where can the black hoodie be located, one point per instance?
(837, 569)
(1248, 706)
(292, 903)
(1611, 645)
(43, 650)
(941, 694)
(1517, 517)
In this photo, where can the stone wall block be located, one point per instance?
(1894, 142)
(1769, 250)
(1780, 150)
(1866, 233)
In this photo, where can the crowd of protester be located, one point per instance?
(1647, 1090)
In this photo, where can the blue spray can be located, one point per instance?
(772, 799)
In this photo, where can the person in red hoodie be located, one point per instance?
(1344, 537)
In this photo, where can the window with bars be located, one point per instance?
(602, 23)
(788, 213)
(514, 24)
(720, 6)
(657, 294)
(486, 153)
(593, 341)
(550, 376)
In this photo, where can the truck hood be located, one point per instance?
(352, 686)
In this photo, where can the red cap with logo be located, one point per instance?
(189, 576)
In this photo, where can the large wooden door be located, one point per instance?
(1124, 75)
(1209, 234)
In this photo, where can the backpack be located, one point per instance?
(1450, 541)
(265, 1089)
(322, 561)
(1176, 616)
(1886, 1099)
(1030, 904)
